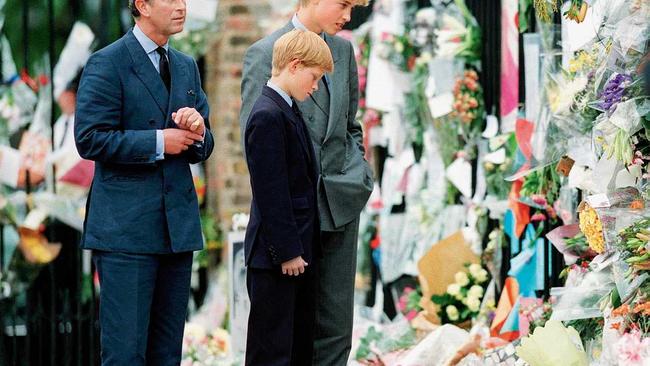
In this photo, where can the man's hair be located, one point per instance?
(134, 11)
(307, 47)
(355, 2)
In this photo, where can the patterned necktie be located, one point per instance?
(163, 66)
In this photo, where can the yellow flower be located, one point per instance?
(591, 226)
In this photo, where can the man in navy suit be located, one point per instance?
(142, 116)
(281, 235)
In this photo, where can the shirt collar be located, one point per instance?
(282, 93)
(146, 42)
(298, 25)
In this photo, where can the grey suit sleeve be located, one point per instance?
(255, 74)
(354, 127)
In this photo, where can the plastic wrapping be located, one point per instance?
(624, 285)
(616, 219)
(582, 301)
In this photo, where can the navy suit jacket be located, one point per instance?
(280, 156)
(137, 204)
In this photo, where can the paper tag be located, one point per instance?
(35, 218)
(9, 166)
(498, 157)
(564, 166)
(441, 105)
(459, 173)
(492, 127)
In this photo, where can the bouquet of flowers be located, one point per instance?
(457, 37)
(416, 110)
(592, 228)
(540, 190)
(633, 316)
(468, 103)
(204, 348)
(498, 164)
(462, 300)
(399, 50)
(635, 242)
(577, 12)
(390, 338)
(409, 302)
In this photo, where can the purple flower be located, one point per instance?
(614, 92)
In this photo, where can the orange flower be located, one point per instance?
(622, 310)
(637, 204)
(643, 308)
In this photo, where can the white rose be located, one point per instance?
(452, 312)
(399, 47)
(482, 276)
(461, 279)
(476, 291)
(474, 269)
(473, 304)
(453, 290)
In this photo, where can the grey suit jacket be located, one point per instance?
(345, 180)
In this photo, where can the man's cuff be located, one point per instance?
(200, 143)
(160, 145)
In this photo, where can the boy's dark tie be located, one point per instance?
(302, 128)
(295, 108)
(163, 66)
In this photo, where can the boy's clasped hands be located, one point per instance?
(294, 267)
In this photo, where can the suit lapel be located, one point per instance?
(146, 72)
(177, 89)
(335, 88)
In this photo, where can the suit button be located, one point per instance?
(152, 122)
(168, 189)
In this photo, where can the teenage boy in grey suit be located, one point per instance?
(345, 178)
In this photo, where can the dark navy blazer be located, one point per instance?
(280, 156)
(137, 204)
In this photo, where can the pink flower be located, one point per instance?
(362, 71)
(539, 200)
(538, 217)
(411, 315)
(362, 103)
(362, 82)
(386, 37)
(632, 350)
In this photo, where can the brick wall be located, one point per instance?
(228, 182)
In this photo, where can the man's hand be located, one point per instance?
(177, 140)
(189, 119)
(294, 267)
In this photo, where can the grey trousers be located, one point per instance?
(335, 296)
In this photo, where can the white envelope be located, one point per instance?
(459, 173)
